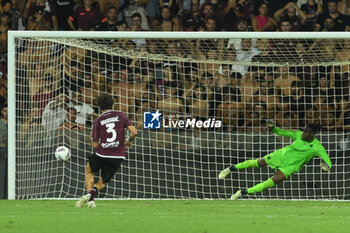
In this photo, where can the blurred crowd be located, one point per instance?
(175, 15)
(241, 87)
(239, 94)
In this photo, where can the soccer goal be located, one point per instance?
(199, 101)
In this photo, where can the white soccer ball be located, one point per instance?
(62, 153)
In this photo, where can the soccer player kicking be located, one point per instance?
(108, 140)
(287, 160)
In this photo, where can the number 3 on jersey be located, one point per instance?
(110, 129)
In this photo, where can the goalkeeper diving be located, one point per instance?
(287, 160)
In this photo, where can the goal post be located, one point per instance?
(213, 92)
(11, 100)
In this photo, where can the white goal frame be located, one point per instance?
(12, 35)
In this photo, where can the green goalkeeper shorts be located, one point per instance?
(274, 161)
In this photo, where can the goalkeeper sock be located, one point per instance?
(233, 168)
(93, 192)
(247, 164)
(260, 187)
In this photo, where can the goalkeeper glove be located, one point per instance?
(325, 167)
(270, 124)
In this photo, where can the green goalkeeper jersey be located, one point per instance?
(300, 152)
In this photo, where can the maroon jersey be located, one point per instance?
(109, 131)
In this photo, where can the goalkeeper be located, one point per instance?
(287, 160)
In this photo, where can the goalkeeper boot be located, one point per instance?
(83, 200)
(91, 204)
(236, 196)
(224, 173)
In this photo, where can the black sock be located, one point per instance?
(233, 168)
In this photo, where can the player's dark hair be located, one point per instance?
(104, 101)
(315, 127)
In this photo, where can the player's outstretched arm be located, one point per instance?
(133, 133)
(289, 133)
(327, 164)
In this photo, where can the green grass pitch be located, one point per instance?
(185, 216)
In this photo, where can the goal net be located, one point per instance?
(213, 91)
